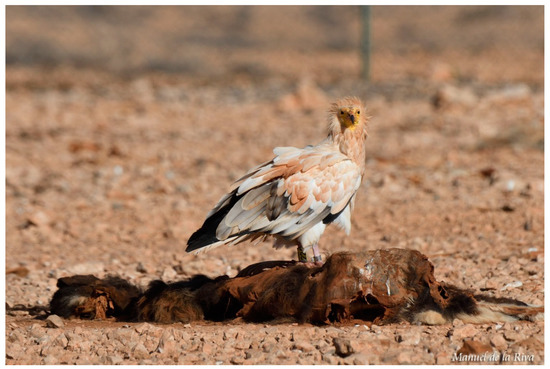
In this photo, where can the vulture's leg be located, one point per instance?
(316, 254)
(302, 256)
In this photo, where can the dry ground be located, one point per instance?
(110, 172)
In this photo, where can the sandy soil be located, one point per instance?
(110, 173)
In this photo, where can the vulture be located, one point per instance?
(295, 195)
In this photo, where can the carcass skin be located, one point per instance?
(379, 286)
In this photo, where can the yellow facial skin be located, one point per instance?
(349, 117)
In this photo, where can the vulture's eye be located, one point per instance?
(341, 112)
(358, 112)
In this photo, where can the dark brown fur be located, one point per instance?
(86, 296)
(383, 286)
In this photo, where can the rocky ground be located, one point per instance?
(110, 174)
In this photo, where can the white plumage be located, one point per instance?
(297, 193)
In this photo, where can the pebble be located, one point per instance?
(49, 349)
(40, 218)
(474, 347)
(207, 348)
(343, 347)
(511, 285)
(139, 351)
(237, 360)
(492, 284)
(465, 331)
(169, 274)
(498, 341)
(50, 360)
(166, 343)
(360, 359)
(92, 267)
(253, 356)
(13, 351)
(512, 336)
(114, 359)
(411, 337)
(405, 357)
(242, 344)
(330, 359)
(304, 346)
(443, 358)
(143, 327)
(54, 321)
(15, 336)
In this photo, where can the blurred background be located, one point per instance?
(469, 43)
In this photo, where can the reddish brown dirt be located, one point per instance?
(113, 161)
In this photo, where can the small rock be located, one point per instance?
(498, 341)
(122, 334)
(141, 268)
(253, 356)
(50, 360)
(491, 284)
(229, 334)
(16, 336)
(242, 344)
(18, 271)
(139, 351)
(61, 340)
(54, 321)
(465, 331)
(304, 346)
(360, 359)
(40, 218)
(474, 347)
(142, 328)
(390, 356)
(512, 336)
(169, 274)
(36, 331)
(87, 268)
(49, 349)
(237, 360)
(327, 349)
(405, 357)
(207, 348)
(343, 347)
(114, 359)
(531, 344)
(411, 338)
(167, 343)
(458, 323)
(13, 351)
(443, 358)
(330, 359)
(511, 285)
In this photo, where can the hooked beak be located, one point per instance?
(352, 118)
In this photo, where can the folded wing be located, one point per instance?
(286, 197)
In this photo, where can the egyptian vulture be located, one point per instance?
(297, 193)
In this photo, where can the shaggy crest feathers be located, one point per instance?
(334, 126)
